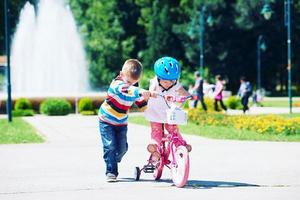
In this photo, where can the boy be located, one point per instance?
(113, 115)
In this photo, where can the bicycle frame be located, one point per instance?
(173, 140)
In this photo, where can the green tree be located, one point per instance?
(115, 30)
(108, 28)
(274, 60)
(100, 26)
(158, 18)
(15, 7)
(108, 39)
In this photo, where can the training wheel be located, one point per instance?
(137, 173)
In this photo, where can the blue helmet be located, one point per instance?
(167, 68)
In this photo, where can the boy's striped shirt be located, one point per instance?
(120, 97)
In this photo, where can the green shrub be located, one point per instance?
(87, 112)
(187, 78)
(54, 106)
(85, 104)
(209, 102)
(23, 104)
(20, 113)
(144, 82)
(234, 103)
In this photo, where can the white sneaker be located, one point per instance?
(110, 178)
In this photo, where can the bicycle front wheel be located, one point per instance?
(181, 166)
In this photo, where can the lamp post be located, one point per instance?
(202, 21)
(209, 20)
(7, 47)
(261, 45)
(287, 20)
(267, 12)
(201, 42)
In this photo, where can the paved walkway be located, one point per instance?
(69, 166)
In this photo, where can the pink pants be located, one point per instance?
(157, 131)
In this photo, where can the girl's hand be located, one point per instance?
(181, 99)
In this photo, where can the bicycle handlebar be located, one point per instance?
(181, 99)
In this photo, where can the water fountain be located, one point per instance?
(47, 57)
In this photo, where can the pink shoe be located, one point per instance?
(188, 147)
(152, 148)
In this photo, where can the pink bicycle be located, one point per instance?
(173, 151)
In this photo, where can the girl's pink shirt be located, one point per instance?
(218, 90)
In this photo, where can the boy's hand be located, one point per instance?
(146, 94)
(154, 94)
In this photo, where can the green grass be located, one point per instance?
(218, 132)
(290, 115)
(275, 103)
(18, 131)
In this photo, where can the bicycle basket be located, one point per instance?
(176, 116)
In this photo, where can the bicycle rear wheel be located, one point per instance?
(181, 166)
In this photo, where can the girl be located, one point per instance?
(164, 84)
(218, 93)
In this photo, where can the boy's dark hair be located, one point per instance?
(133, 68)
(243, 78)
(197, 74)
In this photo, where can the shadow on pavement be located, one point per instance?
(144, 180)
(196, 184)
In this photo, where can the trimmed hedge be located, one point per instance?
(87, 112)
(234, 103)
(55, 106)
(85, 104)
(22, 107)
(21, 113)
(23, 104)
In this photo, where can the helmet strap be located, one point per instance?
(165, 89)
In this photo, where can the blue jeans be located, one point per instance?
(114, 140)
(245, 102)
(201, 99)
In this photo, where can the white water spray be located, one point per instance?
(47, 53)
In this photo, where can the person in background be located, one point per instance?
(244, 92)
(199, 90)
(208, 89)
(218, 96)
